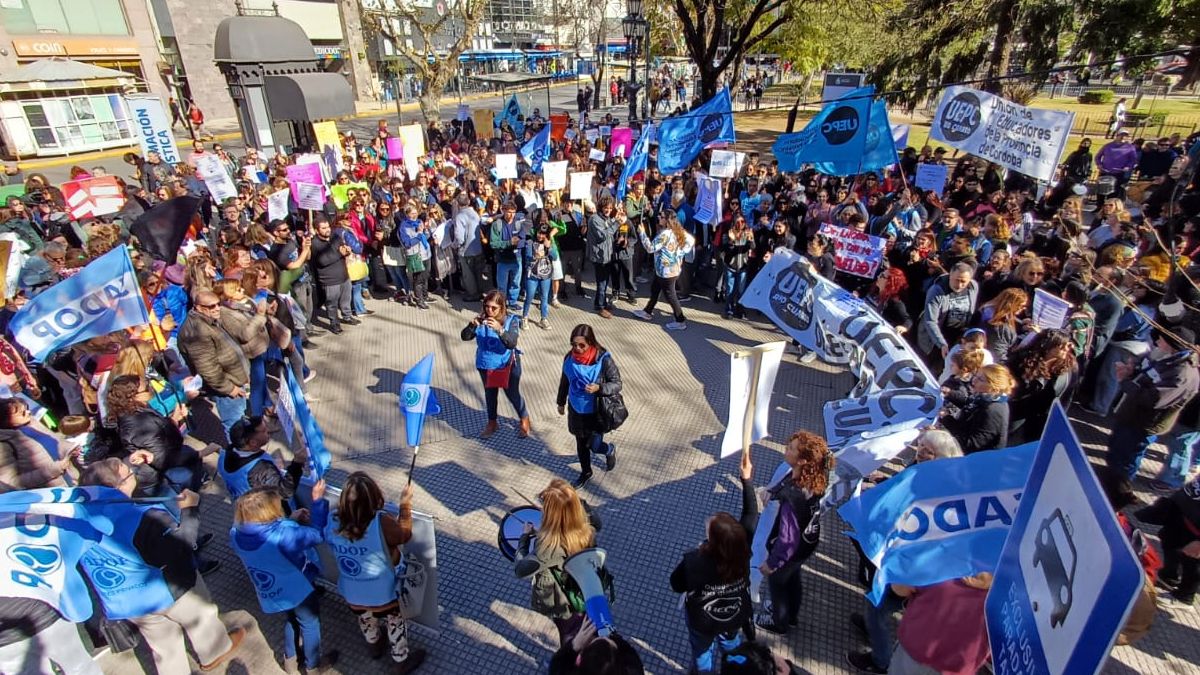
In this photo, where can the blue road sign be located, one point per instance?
(1067, 570)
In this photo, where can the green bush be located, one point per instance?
(1097, 96)
(1145, 118)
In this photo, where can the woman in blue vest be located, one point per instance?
(280, 556)
(495, 333)
(588, 371)
(366, 541)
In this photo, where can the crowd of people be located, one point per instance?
(964, 268)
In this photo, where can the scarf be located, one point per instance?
(587, 358)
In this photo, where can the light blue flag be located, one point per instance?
(879, 147)
(537, 149)
(637, 160)
(512, 115)
(680, 139)
(319, 458)
(103, 297)
(836, 134)
(940, 520)
(417, 399)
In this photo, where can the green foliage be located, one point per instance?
(1148, 118)
(1097, 96)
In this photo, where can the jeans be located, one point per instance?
(880, 636)
(305, 621)
(399, 278)
(542, 288)
(508, 280)
(472, 276)
(735, 283)
(904, 664)
(786, 593)
(622, 276)
(337, 297)
(356, 299)
(492, 396)
(1126, 447)
(587, 444)
(665, 285)
(229, 410)
(1181, 570)
(1107, 387)
(603, 274)
(258, 384)
(420, 285)
(1181, 457)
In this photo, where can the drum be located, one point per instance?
(511, 527)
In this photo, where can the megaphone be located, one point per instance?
(584, 567)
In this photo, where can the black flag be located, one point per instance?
(161, 229)
(792, 115)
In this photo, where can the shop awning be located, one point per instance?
(511, 79)
(539, 53)
(60, 73)
(309, 96)
(491, 55)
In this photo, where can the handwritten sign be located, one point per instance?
(506, 166)
(310, 196)
(554, 175)
(930, 177)
(581, 185)
(723, 164)
(855, 252)
(595, 155)
(277, 204)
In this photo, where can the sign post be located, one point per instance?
(1067, 577)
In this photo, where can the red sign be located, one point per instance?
(93, 197)
(855, 252)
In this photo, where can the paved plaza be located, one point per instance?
(654, 505)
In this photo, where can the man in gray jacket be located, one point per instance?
(601, 226)
(470, 247)
(949, 305)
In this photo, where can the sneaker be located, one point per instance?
(610, 457)
(423, 306)
(415, 658)
(793, 349)
(764, 622)
(643, 315)
(291, 665)
(1173, 602)
(325, 665)
(366, 312)
(208, 566)
(311, 398)
(203, 540)
(1166, 582)
(863, 661)
(676, 325)
(336, 330)
(554, 303)
(683, 298)
(543, 324)
(581, 480)
(353, 321)
(524, 323)
(1160, 487)
(808, 357)
(727, 314)
(630, 299)
(605, 314)
(312, 374)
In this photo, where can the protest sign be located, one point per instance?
(329, 146)
(220, 187)
(895, 392)
(1049, 310)
(723, 164)
(554, 175)
(209, 165)
(855, 252)
(581, 185)
(464, 111)
(310, 195)
(931, 177)
(1026, 140)
(570, 134)
(595, 155)
(484, 123)
(622, 141)
(92, 197)
(412, 139)
(341, 193)
(395, 150)
(307, 169)
(605, 130)
(154, 127)
(837, 85)
(591, 135)
(506, 166)
(558, 126)
(277, 204)
(708, 199)
(751, 381)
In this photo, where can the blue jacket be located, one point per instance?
(291, 538)
(173, 301)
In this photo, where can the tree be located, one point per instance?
(719, 33)
(433, 68)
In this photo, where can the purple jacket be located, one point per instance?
(797, 529)
(1117, 158)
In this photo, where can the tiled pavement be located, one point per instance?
(653, 505)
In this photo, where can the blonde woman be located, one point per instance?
(1000, 317)
(567, 528)
(982, 421)
(670, 246)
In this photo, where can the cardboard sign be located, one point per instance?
(554, 175)
(506, 166)
(931, 177)
(723, 164)
(341, 193)
(855, 252)
(485, 127)
(581, 185)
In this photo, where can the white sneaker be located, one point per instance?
(808, 357)
(524, 323)
(643, 315)
(676, 325)
(642, 280)
(309, 378)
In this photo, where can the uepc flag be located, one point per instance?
(537, 150)
(102, 298)
(153, 127)
(941, 519)
(879, 147)
(680, 139)
(417, 399)
(636, 163)
(512, 115)
(837, 134)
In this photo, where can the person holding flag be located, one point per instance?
(537, 150)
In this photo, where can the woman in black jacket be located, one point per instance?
(1043, 369)
(588, 372)
(982, 421)
(715, 577)
(887, 295)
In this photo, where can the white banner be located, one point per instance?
(221, 187)
(581, 185)
(895, 395)
(751, 381)
(310, 196)
(277, 204)
(153, 126)
(1027, 140)
(554, 175)
(723, 164)
(506, 166)
(708, 199)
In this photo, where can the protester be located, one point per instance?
(670, 246)
(600, 247)
(216, 356)
(983, 416)
(589, 373)
(498, 361)
(246, 465)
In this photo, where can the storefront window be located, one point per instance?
(81, 17)
(78, 120)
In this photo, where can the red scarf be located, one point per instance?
(587, 358)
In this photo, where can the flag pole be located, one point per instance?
(413, 465)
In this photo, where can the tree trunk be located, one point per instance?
(1191, 72)
(431, 97)
(1001, 56)
(709, 75)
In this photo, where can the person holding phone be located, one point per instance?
(495, 332)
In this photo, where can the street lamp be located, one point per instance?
(634, 28)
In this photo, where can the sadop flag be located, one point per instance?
(680, 139)
(102, 298)
(636, 163)
(836, 134)
(319, 458)
(417, 399)
(537, 150)
(939, 520)
(512, 115)
(161, 229)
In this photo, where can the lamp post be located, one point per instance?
(634, 28)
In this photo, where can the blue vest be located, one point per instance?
(237, 482)
(126, 585)
(580, 376)
(366, 576)
(279, 583)
(490, 352)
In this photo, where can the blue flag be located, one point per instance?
(680, 139)
(637, 160)
(417, 399)
(537, 149)
(295, 407)
(879, 147)
(836, 135)
(103, 297)
(512, 115)
(939, 520)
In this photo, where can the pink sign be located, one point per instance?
(309, 174)
(621, 141)
(395, 149)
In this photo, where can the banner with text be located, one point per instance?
(154, 127)
(855, 252)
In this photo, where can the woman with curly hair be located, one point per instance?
(999, 318)
(794, 526)
(887, 296)
(1043, 369)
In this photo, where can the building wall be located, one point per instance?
(194, 34)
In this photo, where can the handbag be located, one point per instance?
(575, 600)
(611, 412)
(414, 263)
(497, 378)
(357, 268)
